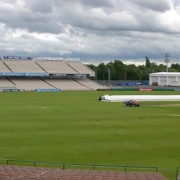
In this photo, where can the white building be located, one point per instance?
(165, 78)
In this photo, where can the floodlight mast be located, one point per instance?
(109, 76)
(167, 60)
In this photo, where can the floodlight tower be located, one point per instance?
(167, 60)
(109, 76)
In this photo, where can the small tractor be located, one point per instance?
(131, 103)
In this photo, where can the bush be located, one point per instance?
(154, 84)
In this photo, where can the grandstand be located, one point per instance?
(66, 84)
(89, 83)
(56, 67)
(28, 74)
(30, 84)
(4, 68)
(6, 84)
(80, 68)
(23, 66)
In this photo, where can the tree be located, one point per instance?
(92, 66)
(145, 72)
(162, 68)
(112, 70)
(154, 67)
(176, 67)
(102, 73)
(148, 64)
(119, 70)
(133, 72)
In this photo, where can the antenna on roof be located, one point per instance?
(167, 60)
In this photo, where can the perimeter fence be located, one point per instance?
(173, 174)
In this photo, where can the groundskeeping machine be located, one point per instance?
(131, 103)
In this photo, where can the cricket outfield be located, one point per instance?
(74, 127)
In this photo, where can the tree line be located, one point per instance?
(117, 70)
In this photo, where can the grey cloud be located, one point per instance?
(124, 16)
(155, 5)
(98, 3)
(41, 6)
(89, 29)
(9, 1)
(33, 22)
(40, 27)
(44, 17)
(88, 3)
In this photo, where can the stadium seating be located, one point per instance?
(23, 66)
(28, 84)
(3, 67)
(66, 84)
(89, 83)
(5, 83)
(27, 74)
(56, 67)
(79, 67)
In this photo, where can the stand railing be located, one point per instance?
(66, 165)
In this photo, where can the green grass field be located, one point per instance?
(74, 127)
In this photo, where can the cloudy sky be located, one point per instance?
(93, 30)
